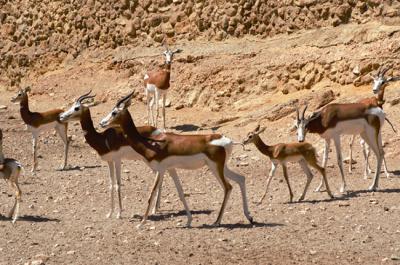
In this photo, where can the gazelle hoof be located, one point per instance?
(372, 188)
(118, 216)
(251, 220)
(301, 198)
(343, 189)
(140, 225)
(109, 215)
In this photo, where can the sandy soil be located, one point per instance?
(63, 214)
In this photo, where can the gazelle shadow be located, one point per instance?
(165, 216)
(78, 168)
(31, 218)
(240, 225)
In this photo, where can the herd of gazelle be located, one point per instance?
(165, 152)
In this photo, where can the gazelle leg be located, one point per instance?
(164, 98)
(156, 99)
(218, 171)
(374, 140)
(270, 176)
(111, 175)
(178, 186)
(241, 181)
(365, 150)
(384, 166)
(351, 153)
(62, 130)
(117, 164)
(15, 210)
(148, 107)
(151, 108)
(34, 147)
(285, 175)
(314, 164)
(306, 170)
(157, 182)
(340, 162)
(158, 200)
(324, 162)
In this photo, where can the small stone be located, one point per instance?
(394, 257)
(126, 171)
(3, 107)
(71, 252)
(31, 206)
(313, 252)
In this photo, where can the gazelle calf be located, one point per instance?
(180, 151)
(38, 122)
(281, 154)
(333, 120)
(156, 86)
(10, 173)
(380, 82)
(111, 145)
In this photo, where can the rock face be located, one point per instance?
(39, 35)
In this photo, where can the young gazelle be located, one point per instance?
(10, 172)
(380, 82)
(156, 86)
(111, 145)
(180, 151)
(38, 122)
(334, 120)
(280, 154)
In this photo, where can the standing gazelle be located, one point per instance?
(156, 86)
(10, 172)
(303, 153)
(380, 82)
(111, 145)
(333, 120)
(180, 151)
(38, 122)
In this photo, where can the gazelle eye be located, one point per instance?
(113, 113)
(76, 108)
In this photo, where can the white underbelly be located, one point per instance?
(182, 162)
(43, 128)
(124, 153)
(350, 127)
(151, 88)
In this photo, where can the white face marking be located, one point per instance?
(107, 120)
(223, 141)
(146, 76)
(168, 56)
(301, 130)
(72, 113)
(378, 83)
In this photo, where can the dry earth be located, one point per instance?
(63, 213)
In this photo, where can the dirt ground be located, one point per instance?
(63, 214)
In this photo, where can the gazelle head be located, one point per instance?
(380, 81)
(169, 54)
(301, 124)
(251, 136)
(75, 111)
(113, 118)
(22, 93)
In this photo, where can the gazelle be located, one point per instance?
(380, 82)
(156, 86)
(333, 120)
(38, 122)
(10, 173)
(111, 145)
(303, 153)
(180, 151)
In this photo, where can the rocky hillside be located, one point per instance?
(37, 36)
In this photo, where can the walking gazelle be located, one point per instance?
(180, 151)
(38, 122)
(282, 153)
(10, 172)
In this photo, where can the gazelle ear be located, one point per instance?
(261, 130)
(257, 128)
(27, 89)
(88, 102)
(177, 51)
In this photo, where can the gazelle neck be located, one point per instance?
(261, 146)
(167, 67)
(24, 108)
(87, 124)
(136, 140)
(380, 96)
